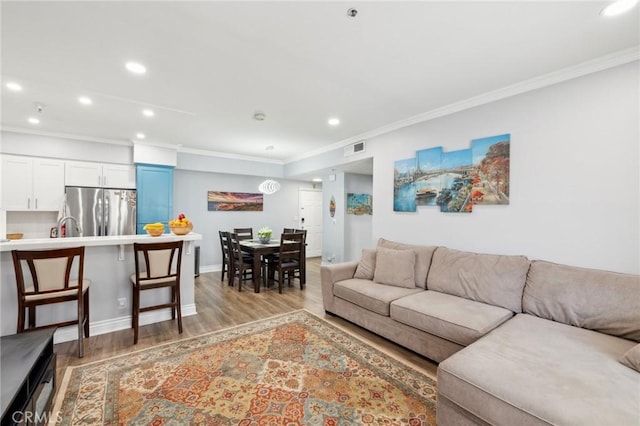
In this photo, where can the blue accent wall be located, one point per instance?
(155, 194)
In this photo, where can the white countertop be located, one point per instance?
(53, 243)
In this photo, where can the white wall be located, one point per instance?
(190, 198)
(574, 175)
(357, 228)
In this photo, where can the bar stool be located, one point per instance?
(50, 282)
(162, 263)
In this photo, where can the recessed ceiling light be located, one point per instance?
(317, 179)
(33, 120)
(334, 121)
(618, 7)
(148, 113)
(140, 135)
(85, 100)
(12, 85)
(136, 68)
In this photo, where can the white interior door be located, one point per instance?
(310, 208)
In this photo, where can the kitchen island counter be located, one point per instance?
(56, 243)
(108, 263)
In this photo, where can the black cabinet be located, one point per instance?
(28, 377)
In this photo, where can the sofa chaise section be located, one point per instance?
(531, 371)
(556, 363)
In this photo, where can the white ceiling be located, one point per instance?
(212, 65)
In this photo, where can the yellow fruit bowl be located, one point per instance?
(155, 232)
(181, 230)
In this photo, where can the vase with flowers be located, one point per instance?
(264, 234)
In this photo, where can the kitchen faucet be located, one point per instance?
(63, 219)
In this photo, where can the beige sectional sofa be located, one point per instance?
(519, 342)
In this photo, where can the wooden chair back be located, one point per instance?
(243, 233)
(52, 278)
(158, 262)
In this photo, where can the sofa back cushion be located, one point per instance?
(494, 279)
(608, 302)
(395, 267)
(423, 258)
(367, 265)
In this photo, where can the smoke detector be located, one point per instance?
(259, 116)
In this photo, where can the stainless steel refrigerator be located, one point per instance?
(101, 211)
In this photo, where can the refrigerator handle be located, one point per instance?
(105, 217)
(99, 214)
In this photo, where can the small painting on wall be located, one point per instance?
(234, 201)
(359, 204)
(332, 206)
(491, 166)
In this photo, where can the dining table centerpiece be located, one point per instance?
(264, 234)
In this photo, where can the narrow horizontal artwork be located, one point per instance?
(234, 201)
(359, 204)
(454, 181)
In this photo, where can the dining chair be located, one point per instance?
(50, 281)
(225, 246)
(158, 265)
(288, 231)
(289, 259)
(243, 233)
(303, 265)
(242, 263)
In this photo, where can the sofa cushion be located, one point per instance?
(369, 295)
(423, 258)
(367, 265)
(533, 371)
(454, 318)
(395, 267)
(608, 302)
(631, 358)
(493, 279)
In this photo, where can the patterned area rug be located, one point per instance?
(293, 369)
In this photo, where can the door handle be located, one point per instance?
(36, 204)
(28, 202)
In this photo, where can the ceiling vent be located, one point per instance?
(353, 149)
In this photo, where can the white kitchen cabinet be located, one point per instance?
(99, 175)
(30, 183)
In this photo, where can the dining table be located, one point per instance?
(257, 250)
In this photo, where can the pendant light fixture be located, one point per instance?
(269, 186)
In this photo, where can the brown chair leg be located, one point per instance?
(80, 329)
(135, 312)
(86, 313)
(32, 316)
(178, 308)
(21, 309)
(224, 269)
(173, 303)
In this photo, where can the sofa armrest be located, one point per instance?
(331, 274)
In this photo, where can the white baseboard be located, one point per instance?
(96, 328)
(210, 268)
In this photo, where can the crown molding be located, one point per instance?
(599, 64)
(65, 136)
(228, 155)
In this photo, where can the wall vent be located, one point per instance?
(355, 148)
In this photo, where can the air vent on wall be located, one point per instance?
(355, 148)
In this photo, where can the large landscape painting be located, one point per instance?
(454, 181)
(234, 201)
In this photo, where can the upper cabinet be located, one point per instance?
(31, 183)
(78, 173)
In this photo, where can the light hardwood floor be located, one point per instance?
(220, 306)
